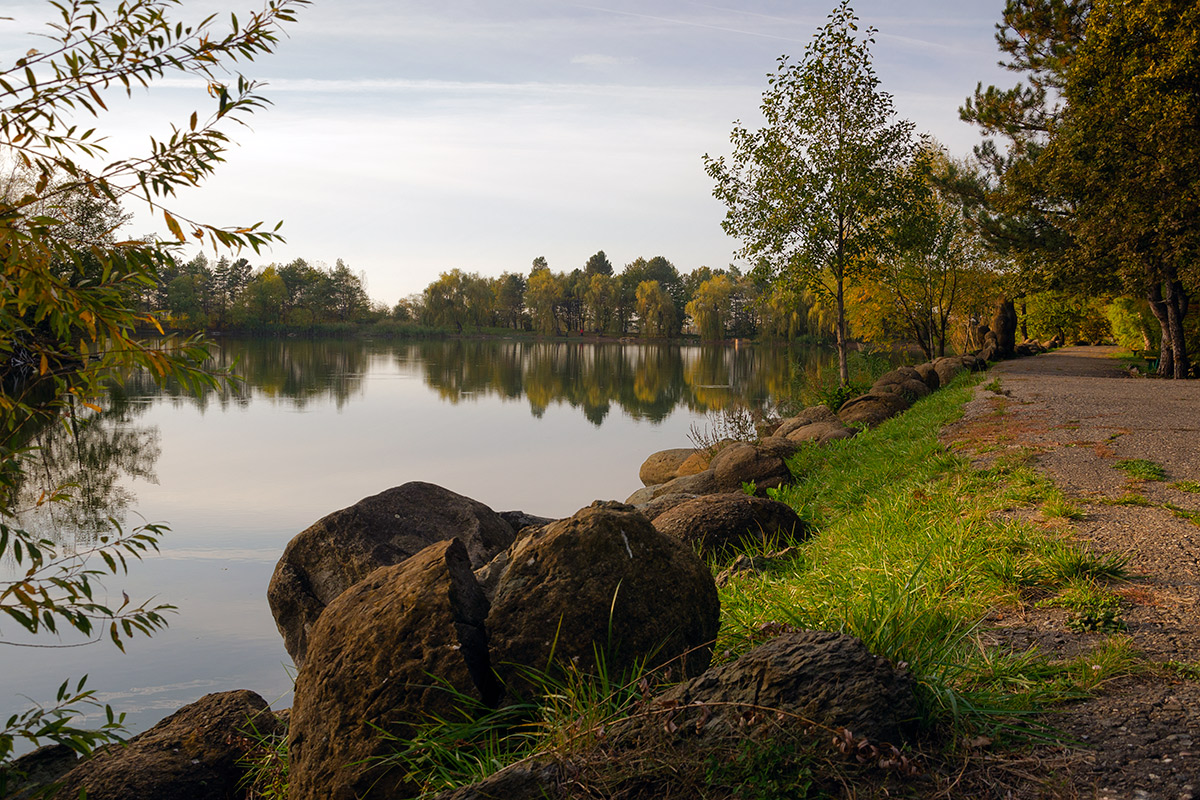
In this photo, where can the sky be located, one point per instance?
(408, 138)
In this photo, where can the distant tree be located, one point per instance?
(544, 295)
(598, 265)
(265, 298)
(655, 310)
(600, 300)
(659, 270)
(509, 291)
(805, 193)
(712, 307)
(480, 300)
(348, 296)
(444, 304)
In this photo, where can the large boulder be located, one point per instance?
(871, 409)
(929, 375)
(344, 547)
(821, 432)
(828, 678)
(809, 416)
(763, 463)
(948, 368)
(406, 642)
(663, 503)
(905, 381)
(701, 483)
(602, 582)
(539, 778)
(721, 523)
(664, 465)
(30, 775)
(194, 754)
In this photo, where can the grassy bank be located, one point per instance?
(913, 550)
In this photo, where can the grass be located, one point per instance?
(1141, 469)
(1191, 487)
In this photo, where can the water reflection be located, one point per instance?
(644, 381)
(87, 458)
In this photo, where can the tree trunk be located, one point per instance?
(1177, 303)
(843, 365)
(1158, 307)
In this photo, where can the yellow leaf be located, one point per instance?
(45, 364)
(174, 226)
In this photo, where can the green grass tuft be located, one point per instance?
(1141, 469)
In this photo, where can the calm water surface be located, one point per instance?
(316, 426)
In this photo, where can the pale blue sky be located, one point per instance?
(409, 138)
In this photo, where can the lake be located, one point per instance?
(545, 427)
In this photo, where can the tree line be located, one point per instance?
(230, 294)
(648, 298)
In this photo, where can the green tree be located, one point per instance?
(509, 290)
(544, 296)
(445, 301)
(655, 310)
(712, 306)
(930, 249)
(598, 265)
(348, 296)
(600, 302)
(1126, 155)
(69, 310)
(806, 192)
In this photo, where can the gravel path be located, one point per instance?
(1077, 413)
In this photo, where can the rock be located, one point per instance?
(664, 465)
(603, 580)
(644, 495)
(764, 463)
(809, 416)
(871, 409)
(662, 503)
(390, 650)
(904, 381)
(821, 432)
(537, 779)
(31, 774)
(701, 483)
(344, 547)
(191, 755)
(929, 375)
(829, 678)
(948, 368)
(721, 523)
(517, 520)
(697, 462)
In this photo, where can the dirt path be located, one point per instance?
(1076, 413)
